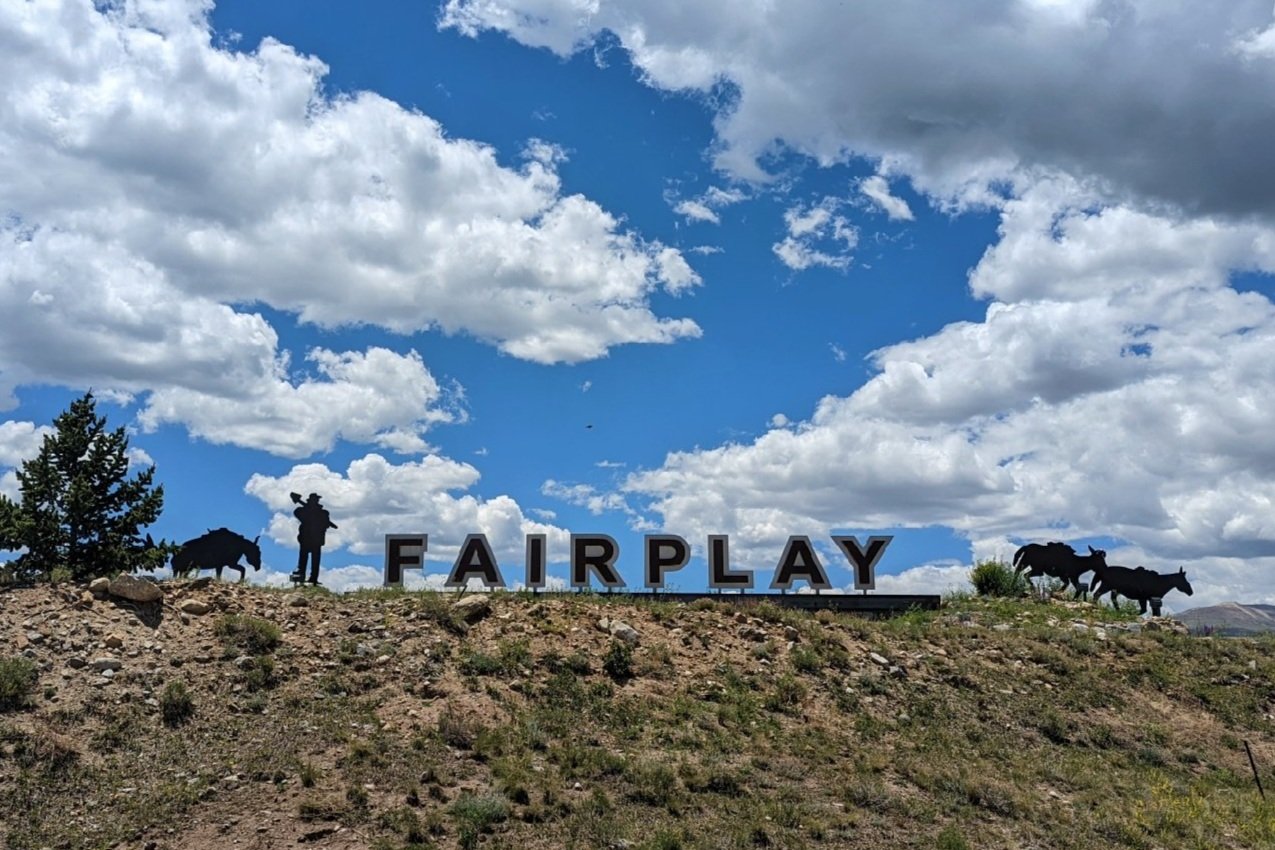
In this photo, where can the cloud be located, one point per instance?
(940, 579)
(374, 497)
(1120, 389)
(877, 190)
(960, 98)
(1117, 383)
(697, 211)
(818, 236)
(376, 397)
(588, 497)
(705, 208)
(19, 442)
(152, 178)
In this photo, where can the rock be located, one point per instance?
(100, 586)
(135, 589)
(471, 609)
(879, 660)
(114, 641)
(623, 631)
(198, 607)
(1166, 624)
(75, 662)
(298, 602)
(105, 663)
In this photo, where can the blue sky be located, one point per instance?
(971, 275)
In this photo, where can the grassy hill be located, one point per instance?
(386, 720)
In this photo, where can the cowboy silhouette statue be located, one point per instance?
(315, 523)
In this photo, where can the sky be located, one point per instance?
(971, 275)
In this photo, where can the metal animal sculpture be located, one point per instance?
(219, 549)
(1140, 584)
(1058, 560)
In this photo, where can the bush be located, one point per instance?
(17, 681)
(250, 634)
(997, 578)
(475, 815)
(175, 704)
(618, 663)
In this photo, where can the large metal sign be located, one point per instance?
(593, 556)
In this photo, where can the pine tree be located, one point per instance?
(79, 511)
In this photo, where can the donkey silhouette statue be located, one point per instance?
(1058, 560)
(219, 549)
(1139, 583)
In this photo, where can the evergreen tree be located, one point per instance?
(79, 511)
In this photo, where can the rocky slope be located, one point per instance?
(230, 716)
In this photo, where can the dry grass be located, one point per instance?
(381, 722)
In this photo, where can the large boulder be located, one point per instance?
(198, 607)
(135, 589)
(471, 609)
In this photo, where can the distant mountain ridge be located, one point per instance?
(1230, 618)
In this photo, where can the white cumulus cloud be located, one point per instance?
(155, 181)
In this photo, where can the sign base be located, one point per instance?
(867, 604)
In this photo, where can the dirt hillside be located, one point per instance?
(228, 716)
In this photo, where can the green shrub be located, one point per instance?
(175, 704)
(997, 578)
(17, 681)
(951, 839)
(476, 663)
(475, 815)
(618, 663)
(249, 634)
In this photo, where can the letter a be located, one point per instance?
(478, 561)
(799, 561)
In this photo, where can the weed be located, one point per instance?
(476, 815)
(456, 730)
(951, 839)
(806, 659)
(787, 694)
(176, 705)
(618, 663)
(653, 783)
(476, 663)
(249, 634)
(308, 774)
(258, 673)
(17, 681)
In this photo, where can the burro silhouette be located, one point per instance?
(1139, 583)
(1058, 560)
(315, 522)
(217, 550)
